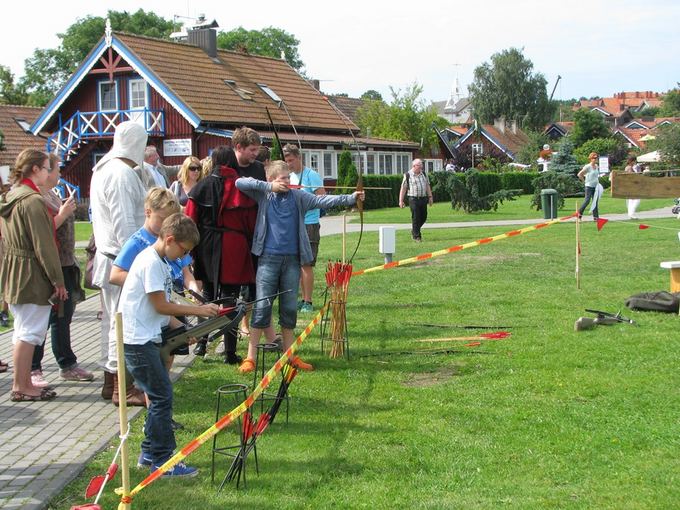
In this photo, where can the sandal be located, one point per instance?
(247, 366)
(3, 367)
(18, 396)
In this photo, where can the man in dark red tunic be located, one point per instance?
(226, 221)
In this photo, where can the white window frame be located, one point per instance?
(477, 149)
(135, 81)
(100, 95)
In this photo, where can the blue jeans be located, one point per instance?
(145, 364)
(590, 193)
(276, 273)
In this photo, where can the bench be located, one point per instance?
(674, 266)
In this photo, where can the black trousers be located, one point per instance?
(60, 327)
(418, 207)
(230, 294)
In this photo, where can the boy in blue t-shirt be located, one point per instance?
(282, 245)
(158, 205)
(146, 309)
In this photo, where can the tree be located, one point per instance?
(508, 87)
(347, 172)
(406, 118)
(671, 103)
(588, 124)
(528, 153)
(10, 93)
(268, 42)
(372, 95)
(667, 142)
(612, 147)
(563, 160)
(48, 69)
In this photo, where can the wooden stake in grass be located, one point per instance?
(338, 275)
(122, 414)
(578, 248)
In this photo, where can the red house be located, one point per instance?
(190, 97)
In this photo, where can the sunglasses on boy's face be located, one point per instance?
(194, 168)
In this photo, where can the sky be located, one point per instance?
(598, 47)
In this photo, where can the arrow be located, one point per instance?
(299, 186)
(498, 335)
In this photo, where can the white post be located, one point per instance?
(387, 242)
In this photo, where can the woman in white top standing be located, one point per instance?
(632, 204)
(590, 175)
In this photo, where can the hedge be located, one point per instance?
(489, 182)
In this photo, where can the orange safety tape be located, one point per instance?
(232, 415)
(459, 247)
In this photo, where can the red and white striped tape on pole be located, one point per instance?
(234, 413)
(460, 247)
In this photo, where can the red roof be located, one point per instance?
(15, 138)
(199, 81)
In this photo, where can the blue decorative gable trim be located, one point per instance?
(160, 87)
(142, 69)
(67, 89)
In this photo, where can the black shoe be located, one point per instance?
(233, 359)
(176, 425)
(200, 349)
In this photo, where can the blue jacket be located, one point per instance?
(261, 192)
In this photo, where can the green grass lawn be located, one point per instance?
(548, 418)
(83, 230)
(519, 208)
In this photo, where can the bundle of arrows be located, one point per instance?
(337, 281)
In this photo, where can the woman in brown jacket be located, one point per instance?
(30, 275)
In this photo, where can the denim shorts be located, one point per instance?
(276, 273)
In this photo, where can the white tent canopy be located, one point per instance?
(650, 157)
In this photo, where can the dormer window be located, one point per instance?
(244, 94)
(272, 95)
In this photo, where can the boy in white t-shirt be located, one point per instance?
(146, 309)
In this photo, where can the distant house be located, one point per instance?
(458, 112)
(617, 110)
(347, 105)
(15, 122)
(557, 130)
(501, 140)
(190, 97)
(638, 132)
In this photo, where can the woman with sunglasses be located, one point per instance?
(187, 177)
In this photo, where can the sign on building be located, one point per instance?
(178, 147)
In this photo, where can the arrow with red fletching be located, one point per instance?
(497, 335)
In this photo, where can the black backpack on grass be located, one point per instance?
(655, 302)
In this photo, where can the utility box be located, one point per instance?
(549, 203)
(387, 242)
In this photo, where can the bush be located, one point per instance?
(563, 183)
(519, 180)
(471, 191)
(82, 212)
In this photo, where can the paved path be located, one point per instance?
(333, 224)
(45, 445)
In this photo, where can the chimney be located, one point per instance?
(499, 124)
(513, 126)
(204, 38)
(315, 83)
